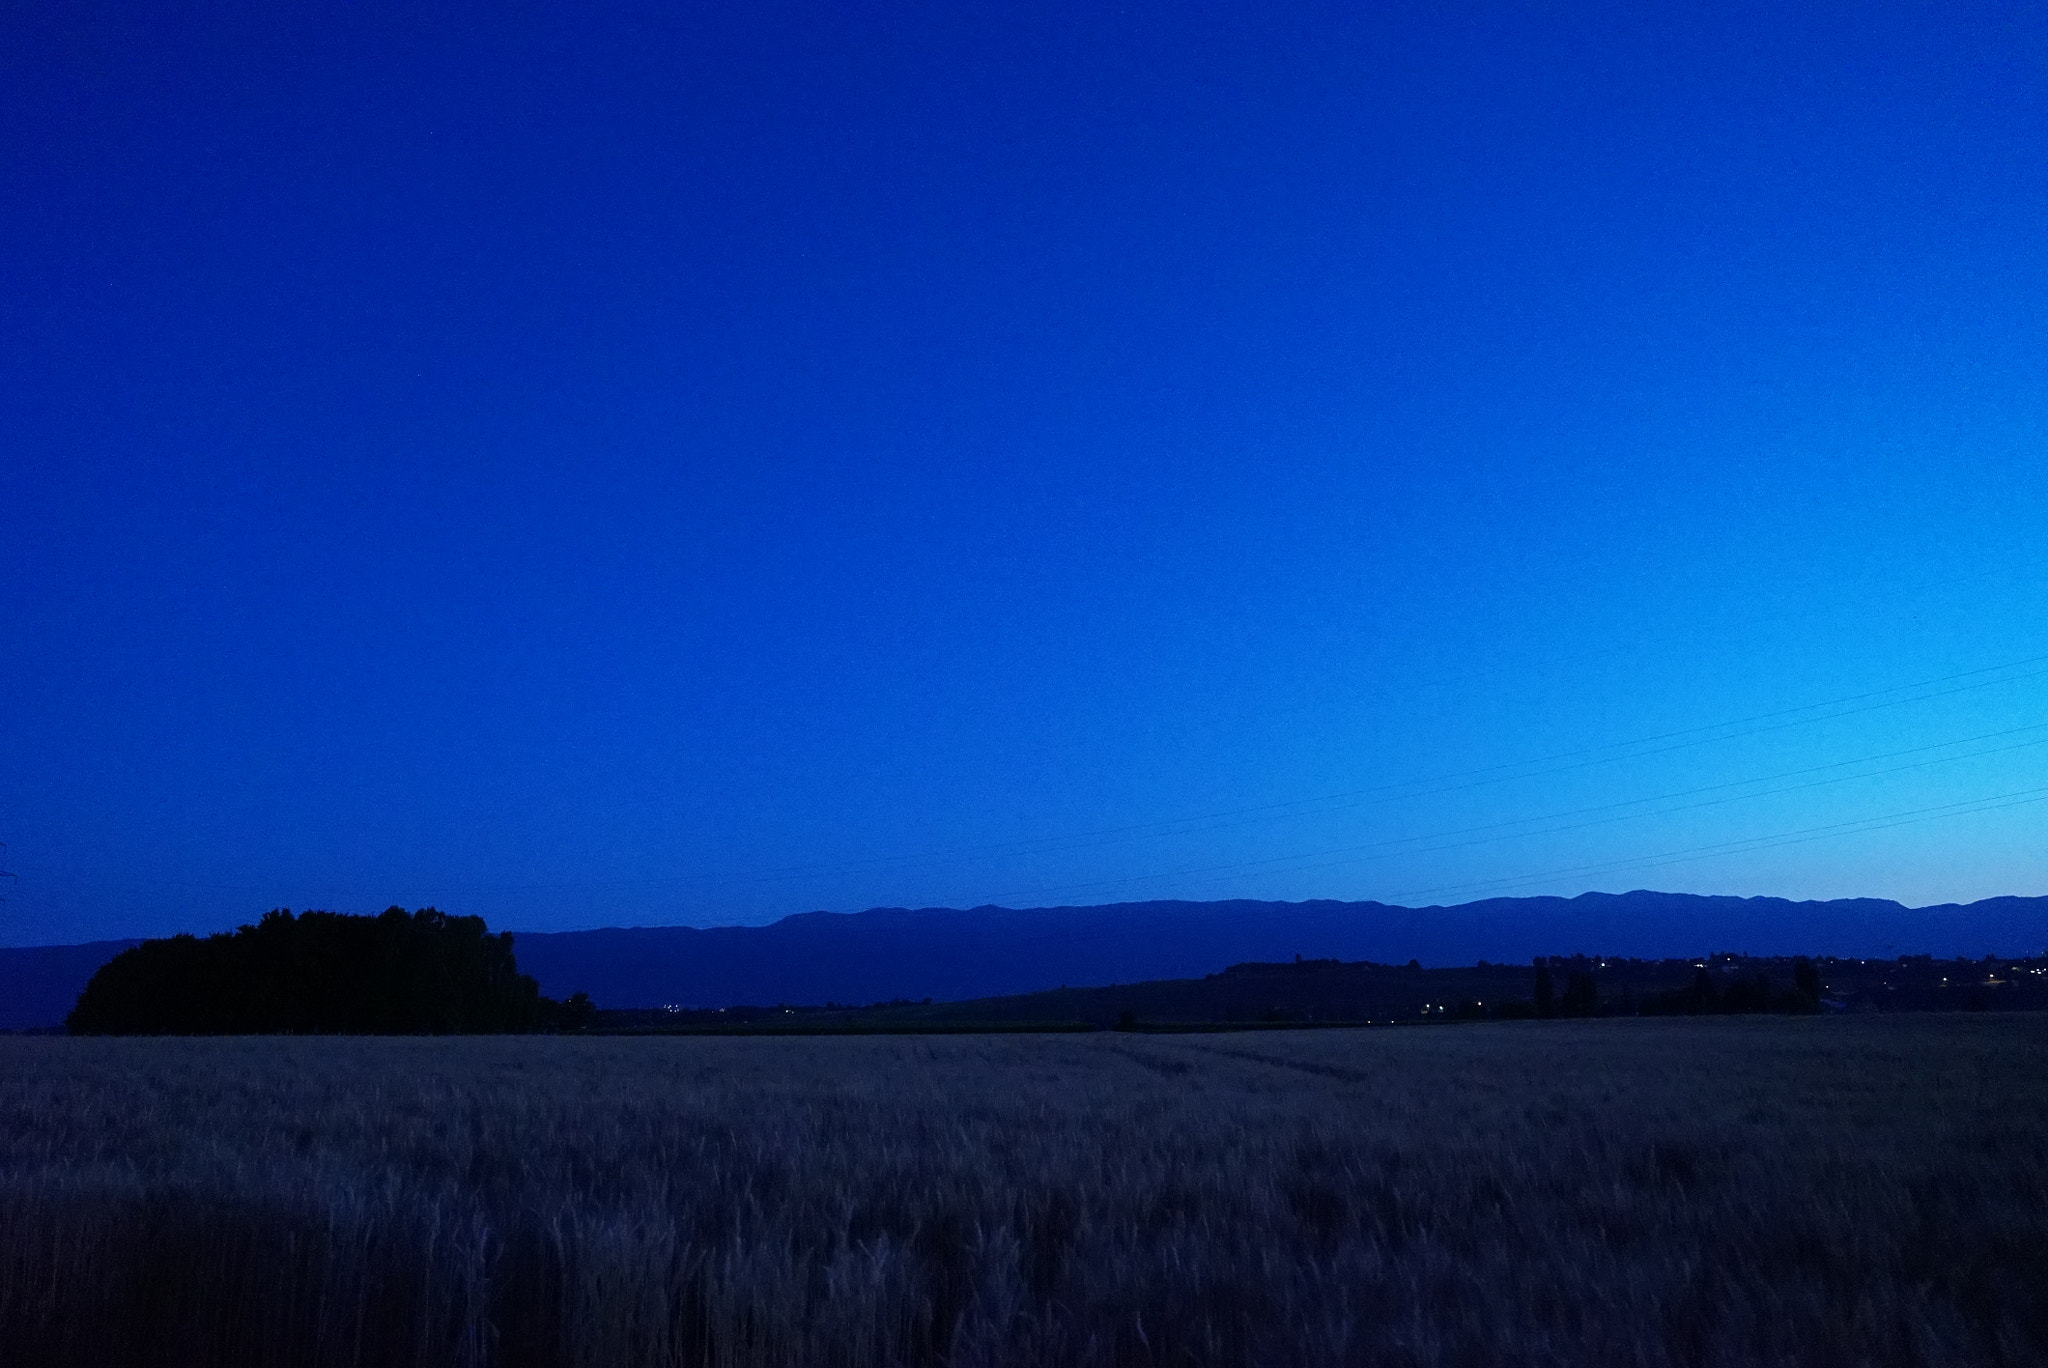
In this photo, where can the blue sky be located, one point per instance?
(617, 464)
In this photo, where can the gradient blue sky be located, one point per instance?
(607, 464)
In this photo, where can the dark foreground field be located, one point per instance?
(1743, 1191)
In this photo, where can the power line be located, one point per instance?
(1480, 777)
(1857, 827)
(1387, 849)
(1375, 795)
(1637, 642)
(1966, 808)
(1190, 826)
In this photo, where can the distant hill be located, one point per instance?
(1329, 992)
(949, 954)
(39, 984)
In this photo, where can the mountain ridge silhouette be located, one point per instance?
(959, 953)
(948, 954)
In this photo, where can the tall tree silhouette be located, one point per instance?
(1806, 981)
(1581, 995)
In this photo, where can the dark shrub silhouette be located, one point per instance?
(577, 1012)
(1751, 994)
(1546, 991)
(1704, 995)
(1806, 981)
(1581, 995)
(1739, 994)
(400, 973)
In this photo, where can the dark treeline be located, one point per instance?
(1329, 992)
(399, 973)
(1736, 990)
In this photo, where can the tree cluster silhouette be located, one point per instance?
(398, 973)
(1740, 994)
(1707, 993)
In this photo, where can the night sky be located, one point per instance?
(634, 464)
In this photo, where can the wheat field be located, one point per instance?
(1696, 1192)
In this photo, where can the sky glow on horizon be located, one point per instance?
(637, 465)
